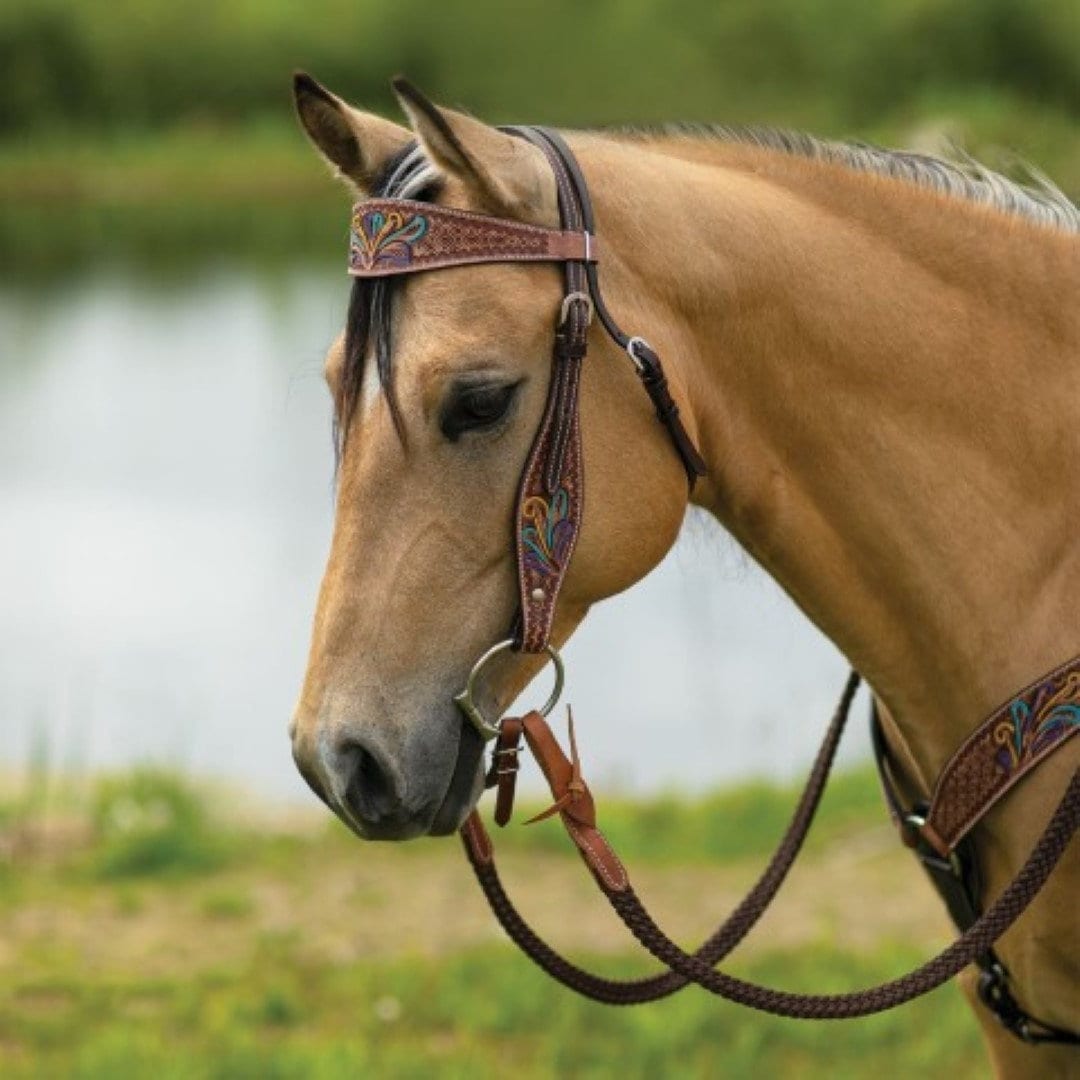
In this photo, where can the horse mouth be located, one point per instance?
(465, 787)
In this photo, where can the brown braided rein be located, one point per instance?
(728, 934)
(576, 809)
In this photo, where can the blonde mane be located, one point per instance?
(962, 177)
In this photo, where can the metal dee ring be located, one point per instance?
(576, 297)
(464, 700)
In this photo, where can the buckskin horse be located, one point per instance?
(871, 378)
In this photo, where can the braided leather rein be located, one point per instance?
(575, 806)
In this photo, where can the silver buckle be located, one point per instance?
(574, 298)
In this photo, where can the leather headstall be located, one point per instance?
(390, 237)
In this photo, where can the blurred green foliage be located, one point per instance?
(278, 1002)
(831, 63)
(481, 1013)
(152, 822)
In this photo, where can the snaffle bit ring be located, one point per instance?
(464, 700)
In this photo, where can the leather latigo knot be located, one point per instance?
(573, 801)
(572, 795)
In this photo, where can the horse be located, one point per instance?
(877, 354)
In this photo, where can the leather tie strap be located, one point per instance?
(505, 763)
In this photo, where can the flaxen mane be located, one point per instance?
(1040, 201)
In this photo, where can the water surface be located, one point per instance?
(165, 509)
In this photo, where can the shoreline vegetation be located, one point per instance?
(149, 926)
(167, 136)
(175, 200)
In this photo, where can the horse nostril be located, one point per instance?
(309, 774)
(371, 793)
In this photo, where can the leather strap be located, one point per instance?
(956, 876)
(645, 359)
(505, 763)
(1000, 752)
(551, 496)
(401, 236)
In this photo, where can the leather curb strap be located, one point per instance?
(577, 810)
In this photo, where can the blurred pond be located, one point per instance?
(165, 509)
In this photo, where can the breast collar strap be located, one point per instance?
(953, 869)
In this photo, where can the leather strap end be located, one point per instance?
(572, 796)
(505, 765)
(476, 840)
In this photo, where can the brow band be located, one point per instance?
(401, 236)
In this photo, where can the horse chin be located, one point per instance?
(465, 787)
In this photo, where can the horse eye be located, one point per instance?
(475, 408)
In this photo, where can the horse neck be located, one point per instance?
(883, 382)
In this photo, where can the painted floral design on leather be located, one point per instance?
(546, 531)
(1037, 721)
(384, 239)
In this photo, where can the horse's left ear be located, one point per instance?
(507, 174)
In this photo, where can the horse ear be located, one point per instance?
(358, 144)
(505, 173)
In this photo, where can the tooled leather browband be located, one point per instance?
(400, 236)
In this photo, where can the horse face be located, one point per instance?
(421, 575)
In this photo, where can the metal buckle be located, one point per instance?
(572, 298)
(464, 701)
(927, 854)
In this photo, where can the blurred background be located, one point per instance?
(171, 256)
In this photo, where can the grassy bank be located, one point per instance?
(483, 1013)
(148, 927)
(168, 201)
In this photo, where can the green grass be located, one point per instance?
(478, 1013)
(742, 822)
(162, 858)
(152, 823)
